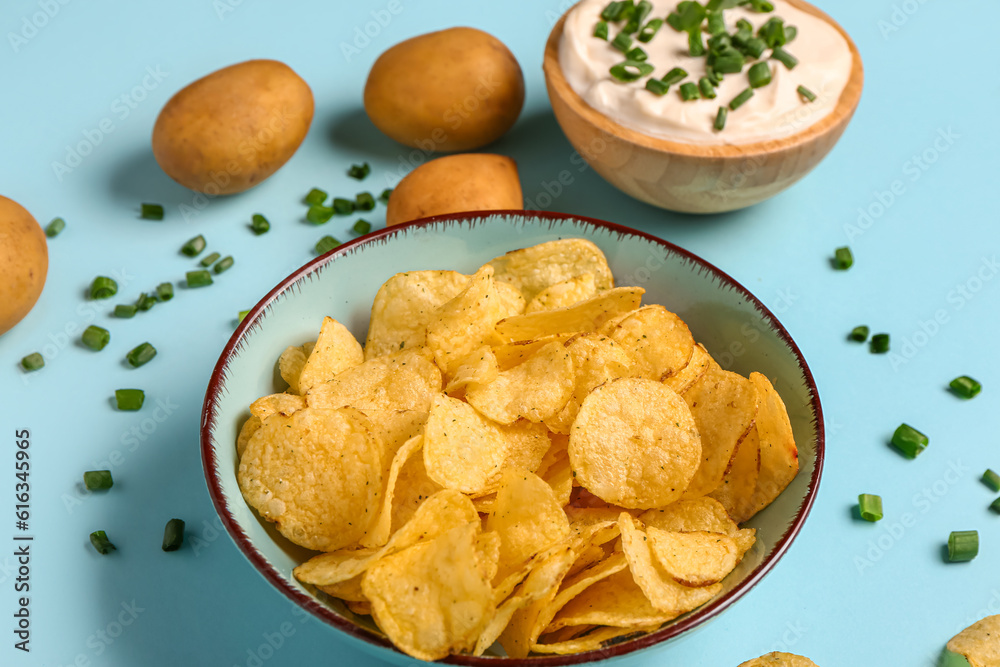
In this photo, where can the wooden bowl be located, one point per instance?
(687, 177)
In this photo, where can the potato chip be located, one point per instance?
(699, 514)
(588, 556)
(379, 533)
(777, 659)
(559, 475)
(527, 444)
(290, 364)
(657, 340)
(574, 586)
(693, 559)
(737, 489)
(249, 427)
(405, 305)
(335, 351)
(589, 315)
(485, 504)
(534, 269)
(479, 367)
(562, 295)
(488, 554)
(511, 301)
(464, 324)
(406, 380)
(779, 457)
(509, 355)
(597, 639)
(282, 404)
(634, 443)
(565, 634)
(427, 600)
(683, 379)
(413, 487)
(661, 590)
(394, 428)
(615, 601)
(348, 591)
(534, 390)
(359, 608)
(316, 474)
(979, 643)
(724, 406)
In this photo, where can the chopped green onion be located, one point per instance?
(965, 387)
(760, 6)
(101, 542)
(759, 75)
(224, 264)
(637, 54)
(319, 214)
(98, 480)
(241, 315)
(790, 33)
(719, 43)
(194, 246)
(601, 30)
(859, 334)
(173, 535)
(649, 30)
(103, 288)
(963, 545)
(145, 302)
(384, 197)
(359, 171)
(752, 46)
(870, 507)
(32, 362)
(995, 506)
(991, 479)
(706, 88)
(676, 75)
(843, 258)
(316, 197)
(909, 440)
(125, 311)
(129, 399)
(326, 244)
(614, 11)
(642, 10)
(622, 42)
(785, 58)
(141, 354)
(656, 86)
(364, 201)
(630, 70)
(152, 212)
(880, 343)
(689, 91)
(727, 61)
(719, 5)
(95, 337)
(688, 16)
(362, 227)
(696, 47)
(741, 99)
(720, 118)
(806, 93)
(198, 278)
(713, 76)
(716, 23)
(773, 32)
(165, 291)
(209, 260)
(260, 225)
(343, 206)
(55, 227)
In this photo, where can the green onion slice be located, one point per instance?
(141, 354)
(696, 47)
(809, 95)
(965, 386)
(880, 343)
(720, 118)
(995, 506)
(194, 246)
(384, 197)
(630, 70)
(55, 227)
(32, 362)
(145, 302)
(173, 535)
(260, 225)
(761, 6)
(759, 75)
(364, 201)
(326, 244)
(129, 399)
(859, 334)
(790, 33)
(716, 23)
(870, 506)
(209, 260)
(103, 288)
(741, 99)
(198, 278)
(165, 291)
(362, 227)
(241, 315)
(601, 30)
(359, 171)
(656, 86)
(963, 545)
(773, 32)
(785, 58)
(843, 258)
(319, 214)
(649, 30)
(622, 42)
(752, 46)
(101, 543)
(125, 311)
(343, 206)
(316, 197)
(637, 54)
(991, 479)
(706, 88)
(676, 75)
(152, 212)
(98, 480)
(689, 91)
(909, 440)
(95, 337)
(224, 264)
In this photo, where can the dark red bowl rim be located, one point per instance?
(217, 381)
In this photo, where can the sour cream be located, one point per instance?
(775, 111)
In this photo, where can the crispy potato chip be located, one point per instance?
(683, 379)
(249, 427)
(479, 367)
(316, 474)
(777, 659)
(290, 364)
(589, 315)
(658, 341)
(413, 487)
(724, 406)
(405, 305)
(615, 601)
(661, 590)
(509, 355)
(335, 351)
(359, 608)
(406, 380)
(565, 634)
(573, 586)
(559, 475)
(779, 457)
(693, 559)
(736, 493)
(485, 504)
(534, 269)
(461, 326)
(634, 443)
(511, 301)
(394, 428)
(699, 514)
(534, 390)
(488, 554)
(283, 404)
(427, 600)
(596, 639)
(589, 555)
(527, 444)
(979, 643)
(348, 591)
(562, 295)
(379, 533)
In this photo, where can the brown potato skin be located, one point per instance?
(230, 130)
(466, 182)
(24, 262)
(453, 90)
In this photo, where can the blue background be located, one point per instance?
(848, 592)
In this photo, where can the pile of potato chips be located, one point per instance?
(526, 455)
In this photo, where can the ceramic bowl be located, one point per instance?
(735, 327)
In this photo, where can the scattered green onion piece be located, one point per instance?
(326, 244)
(319, 214)
(364, 201)
(642, 10)
(806, 93)
(759, 75)
(198, 278)
(384, 197)
(129, 399)
(656, 87)
(761, 6)
(963, 545)
(173, 535)
(359, 171)
(630, 70)
(720, 118)
(95, 337)
(141, 354)
(260, 225)
(790, 33)
(719, 43)
(744, 30)
(716, 23)
(719, 5)
(125, 310)
(706, 88)
(614, 11)
(241, 315)
(676, 75)
(689, 16)
(909, 440)
(362, 227)
(101, 543)
(224, 264)
(713, 76)
(649, 30)
(165, 291)
(753, 47)
(696, 47)
(145, 302)
(880, 343)
(316, 197)
(601, 30)
(859, 334)
(343, 206)
(995, 506)
(53, 229)
(741, 99)
(843, 258)
(674, 21)
(103, 288)
(785, 58)
(32, 362)
(152, 212)
(773, 32)
(637, 54)
(98, 480)
(194, 246)
(728, 62)
(209, 260)
(991, 479)
(870, 507)
(622, 42)
(689, 91)
(966, 387)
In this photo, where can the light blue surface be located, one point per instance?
(205, 605)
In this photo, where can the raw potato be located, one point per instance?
(467, 182)
(451, 90)
(24, 262)
(230, 130)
